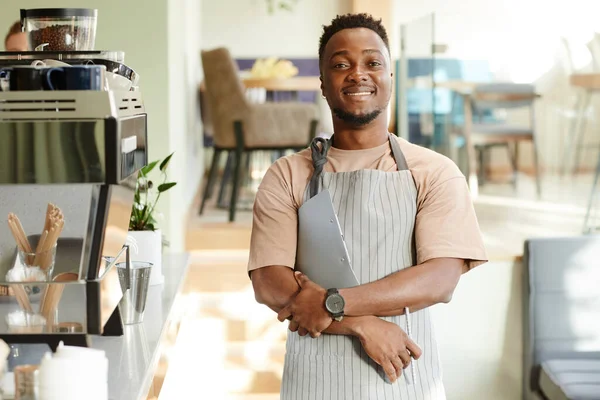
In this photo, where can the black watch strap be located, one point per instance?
(332, 291)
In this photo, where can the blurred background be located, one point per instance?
(505, 89)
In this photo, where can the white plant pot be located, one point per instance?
(147, 246)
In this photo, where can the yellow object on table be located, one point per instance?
(273, 67)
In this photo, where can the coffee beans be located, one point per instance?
(60, 38)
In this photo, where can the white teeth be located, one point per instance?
(359, 94)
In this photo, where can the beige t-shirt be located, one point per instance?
(445, 226)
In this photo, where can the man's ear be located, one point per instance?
(321, 86)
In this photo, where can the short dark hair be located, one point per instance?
(349, 21)
(15, 28)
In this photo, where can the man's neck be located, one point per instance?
(358, 138)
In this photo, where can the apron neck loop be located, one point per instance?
(397, 153)
(319, 148)
(319, 159)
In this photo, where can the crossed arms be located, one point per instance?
(293, 295)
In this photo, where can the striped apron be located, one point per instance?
(376, 210)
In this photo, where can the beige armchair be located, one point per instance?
(241, 127)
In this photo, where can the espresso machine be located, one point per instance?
(79, 151)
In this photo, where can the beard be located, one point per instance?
(357, 120)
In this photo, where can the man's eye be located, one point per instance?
(375, 64)
(340, 65)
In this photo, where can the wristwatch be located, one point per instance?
(334, 304)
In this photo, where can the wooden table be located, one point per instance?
(586, 81)
(460, 87)
(295, 84)
(292, 85)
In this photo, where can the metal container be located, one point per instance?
(134, 280)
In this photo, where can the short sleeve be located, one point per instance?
(274, 223)
(446, 225)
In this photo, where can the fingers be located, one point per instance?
(294, 326)
(301, 278)
(389, 370)
(284, 314)
(404, 357)
(414, 349)
(398, 365)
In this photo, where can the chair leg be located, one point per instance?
(580, 134)
(513, 154)
(225, 179)
(536, 165)
(586, 224)
(211, 178)
(570, 137)
(480, 152)
(237, 166)
(247, 169)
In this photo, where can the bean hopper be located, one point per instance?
(79, 151)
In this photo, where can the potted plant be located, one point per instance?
(145, 238)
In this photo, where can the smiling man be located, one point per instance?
(408, 223)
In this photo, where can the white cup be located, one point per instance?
(49, 63)
(117, 82)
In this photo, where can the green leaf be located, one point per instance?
(149, 227)
(149, 167)
(166, 186)
(165, 163)
(136, 197)
(137, 215)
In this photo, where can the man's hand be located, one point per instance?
(295, 327)
(307, 309)
(388, 345)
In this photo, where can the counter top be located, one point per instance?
(133, 357)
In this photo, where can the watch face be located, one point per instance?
(335, 304)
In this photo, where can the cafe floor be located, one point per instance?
(230, 347)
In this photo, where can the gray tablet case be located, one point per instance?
(321, 253)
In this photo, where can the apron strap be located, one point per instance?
(319, 159)
(397, 153)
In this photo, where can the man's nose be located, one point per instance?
(357, 75)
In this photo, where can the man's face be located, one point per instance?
(17, 42)
(356, 77)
